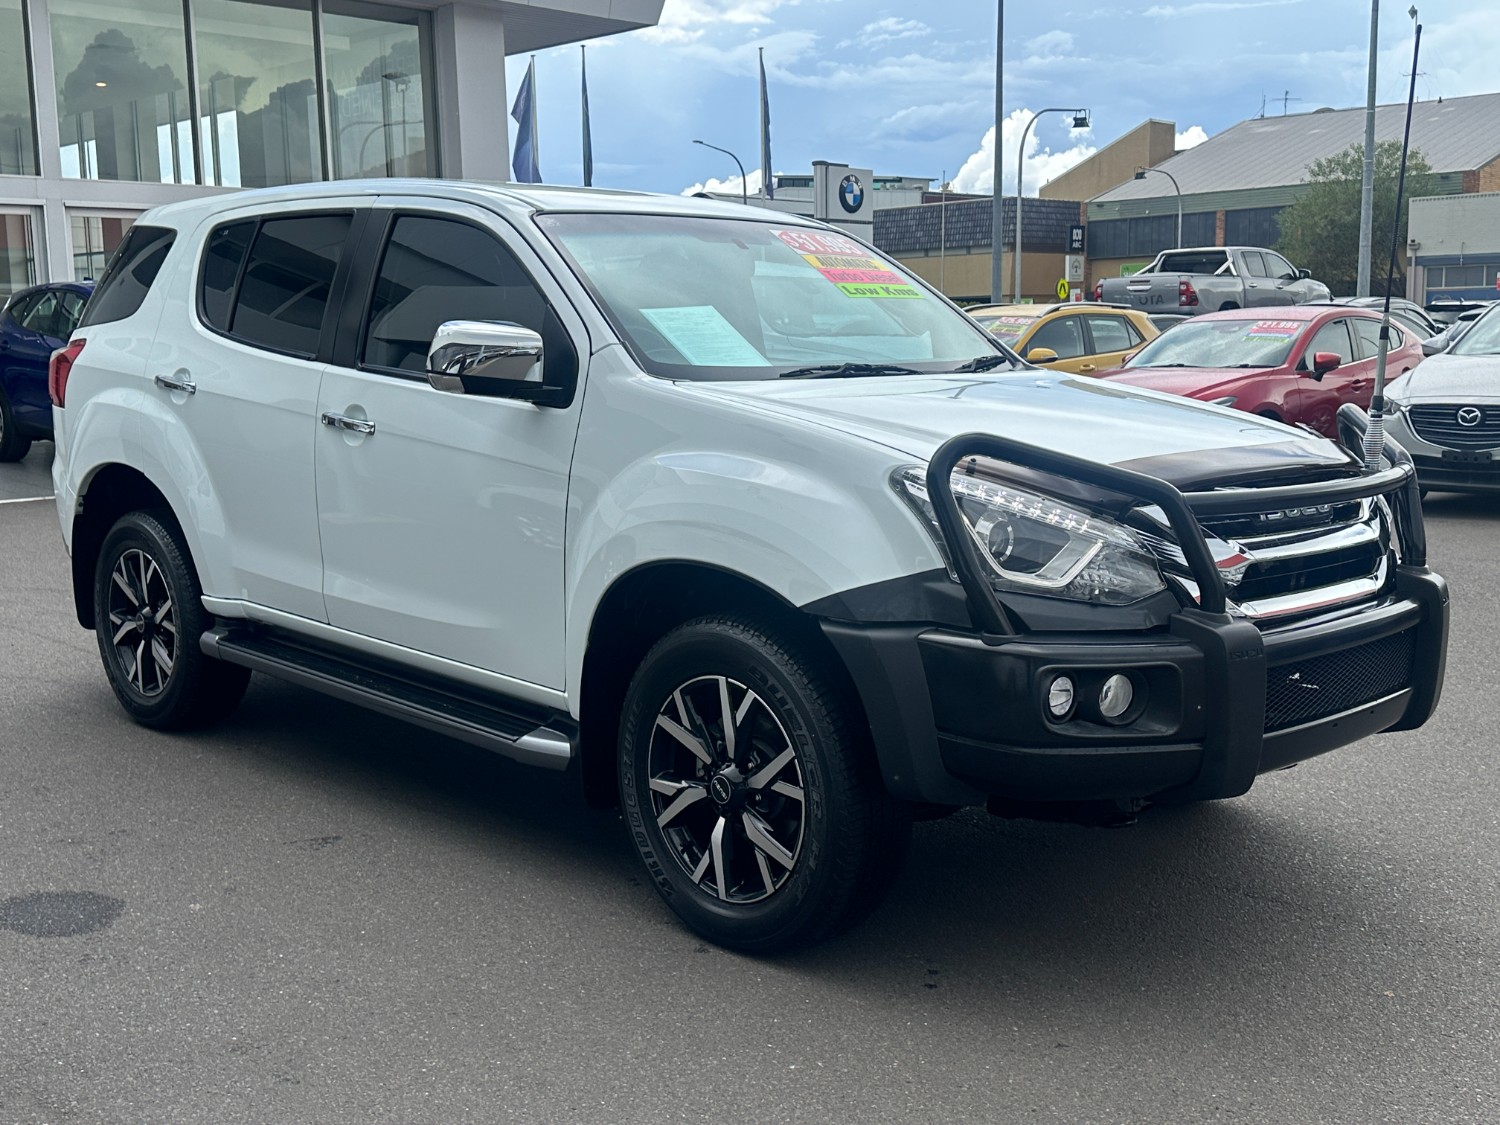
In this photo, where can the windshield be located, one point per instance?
(1483, 338)
(1237, 342)
(720, 299)
(1004, 327)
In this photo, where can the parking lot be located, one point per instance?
(311, 913)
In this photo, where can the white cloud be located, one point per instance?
(729, 186)
(684, 21)
(1051, 45)
(1208, 7)
(886, 30)
(1191, 137)
(978, 171)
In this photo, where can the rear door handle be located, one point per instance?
(170, 383)
(344, 422)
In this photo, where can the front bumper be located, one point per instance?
(957, 717)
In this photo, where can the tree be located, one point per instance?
(1320, 231)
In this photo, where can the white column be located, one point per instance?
(473, 122)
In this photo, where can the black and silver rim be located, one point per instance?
(142, 622)
(727, 789)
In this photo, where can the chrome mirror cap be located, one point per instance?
(483, 357)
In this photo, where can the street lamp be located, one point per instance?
(1140, 174)
(1080, 121)
(744, 196)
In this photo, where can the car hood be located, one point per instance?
(1446, 378)
(1193, 382)
(1183, 441)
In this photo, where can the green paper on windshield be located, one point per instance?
(703, 337)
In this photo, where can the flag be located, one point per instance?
(588, 139)
(767, 188)
(525, 163)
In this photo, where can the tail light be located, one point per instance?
(1187, 296)
(1099, 290)
(58, 369)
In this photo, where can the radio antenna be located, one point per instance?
(1375, 434)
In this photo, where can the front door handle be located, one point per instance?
(344, 422)
(1087, 368)
(170, 383)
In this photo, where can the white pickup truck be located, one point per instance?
(1210, 278)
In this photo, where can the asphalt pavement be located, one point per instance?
(313, 914)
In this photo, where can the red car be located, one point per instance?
(1294, 363)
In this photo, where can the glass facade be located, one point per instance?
(94, 239)
(124, 111)
(122, 99)
(17, 253)
(257, 93)
(17, 118)
(377, 109)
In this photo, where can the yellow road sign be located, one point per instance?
(1062, 289)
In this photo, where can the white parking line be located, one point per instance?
(28, 499)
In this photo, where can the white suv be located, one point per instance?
(719, 508)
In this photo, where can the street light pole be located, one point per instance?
(997, 215)
(1080, 121)
(1140, 174)
(744, 195)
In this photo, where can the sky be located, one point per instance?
(907, 87)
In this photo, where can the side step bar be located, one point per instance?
(528, 735)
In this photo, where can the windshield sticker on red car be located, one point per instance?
(1274, 329)
(847, 265)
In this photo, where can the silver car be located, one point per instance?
(1446, 412)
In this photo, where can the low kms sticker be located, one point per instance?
(847, 265)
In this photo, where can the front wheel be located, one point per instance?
(751, 790)
(148, 617)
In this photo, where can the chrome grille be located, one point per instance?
(1439, 423)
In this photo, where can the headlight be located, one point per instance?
(1394, 406)
(1227, 400)
(1034, 544)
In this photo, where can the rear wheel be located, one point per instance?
(13, 443)
(751, 791)
(148, 617)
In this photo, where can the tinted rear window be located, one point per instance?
(283, 294)
(128, 277)
(221, 269)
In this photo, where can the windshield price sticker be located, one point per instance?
(1274, 329)
(845, 263)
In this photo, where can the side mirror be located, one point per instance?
(1041, 355)
(1435, 345)
(1324, 362)
(492, 358)
(1304, 275)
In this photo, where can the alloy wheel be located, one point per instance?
(727, 789)
(143, 622)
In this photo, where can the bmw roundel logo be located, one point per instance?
(851, 194)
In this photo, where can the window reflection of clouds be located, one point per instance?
(17, 134)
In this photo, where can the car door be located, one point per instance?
(443, 514)
(1111, 338)
(1260, 287)
(1317, 400)
(31, 349)
(240, 375)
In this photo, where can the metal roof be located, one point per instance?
(1453, 135)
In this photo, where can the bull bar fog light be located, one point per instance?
(1116, 696)
(1060, 697)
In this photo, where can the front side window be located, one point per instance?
(283, 294)
(1332, 337)
(1482, 339)
(435, 270)
(1063, 335)
(50, 316)
(720, 299)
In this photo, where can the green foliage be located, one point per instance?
(1320, 232)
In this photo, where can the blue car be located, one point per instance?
(34, 323)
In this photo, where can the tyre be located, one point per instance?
(148, 617)
(13, 443)
(751, 791)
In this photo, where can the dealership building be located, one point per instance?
(108, 109)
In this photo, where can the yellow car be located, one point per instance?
(1081, 337)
